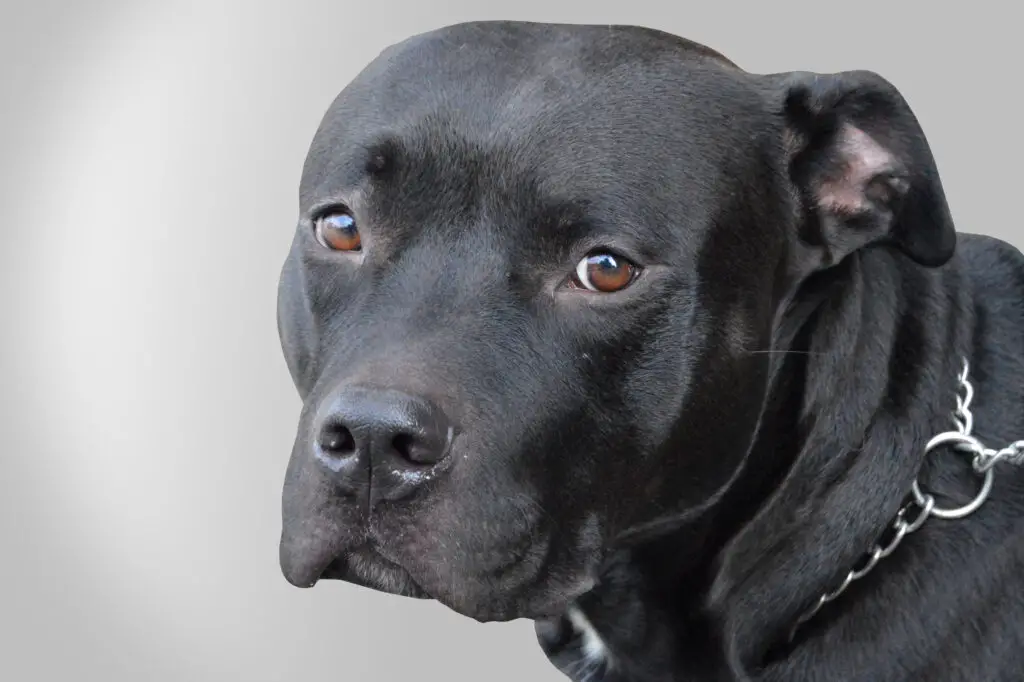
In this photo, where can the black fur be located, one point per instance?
(692, 461)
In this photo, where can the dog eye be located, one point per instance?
(338, 231)
(604, 272)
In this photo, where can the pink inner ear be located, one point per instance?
(860, 159)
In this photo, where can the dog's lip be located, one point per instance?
(307, 561)
(304, 559)
(344, 568)
(336, 570)
(304, 576)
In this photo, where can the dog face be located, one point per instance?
(527, 301)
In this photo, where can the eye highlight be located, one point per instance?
(338, 231)
(604, 273)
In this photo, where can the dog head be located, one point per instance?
(535, 274)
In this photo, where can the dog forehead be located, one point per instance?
(508, 51)
(570, 98)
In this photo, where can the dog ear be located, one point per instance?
(864, 169)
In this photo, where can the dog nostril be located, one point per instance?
(405, 445)
(337, 440)
(418, 450)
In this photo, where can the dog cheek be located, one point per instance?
(295, 324)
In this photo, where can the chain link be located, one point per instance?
(988, 458)
(983, 462)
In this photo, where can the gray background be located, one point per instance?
(149, 158)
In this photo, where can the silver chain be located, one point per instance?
(916, 511)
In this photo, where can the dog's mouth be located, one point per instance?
(366, 567)
(520, 579)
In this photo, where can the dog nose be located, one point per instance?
(383, 443)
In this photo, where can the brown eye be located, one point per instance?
(338, 231)
(605, 273)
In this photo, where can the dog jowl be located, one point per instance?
(553, 305)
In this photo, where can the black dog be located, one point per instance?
(594, 328)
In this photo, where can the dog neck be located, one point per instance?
(854, 398)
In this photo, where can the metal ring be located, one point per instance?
(964, 442)
(986, 487)
(960, 512)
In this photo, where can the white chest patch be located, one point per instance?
(594, 650)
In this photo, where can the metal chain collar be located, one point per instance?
(983, 461)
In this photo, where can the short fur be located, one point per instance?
(666, 477)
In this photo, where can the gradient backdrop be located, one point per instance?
(149, 157)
